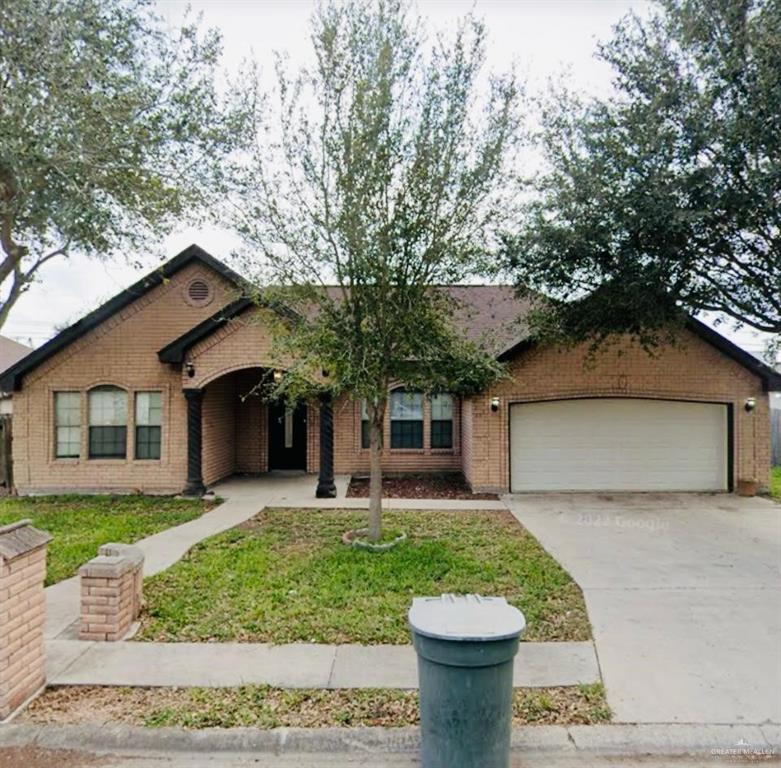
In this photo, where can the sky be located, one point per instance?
(542, 39)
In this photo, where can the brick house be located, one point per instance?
(155, 392)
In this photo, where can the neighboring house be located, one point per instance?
(10, 352)
(153, 392)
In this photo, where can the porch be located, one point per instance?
(235, 428)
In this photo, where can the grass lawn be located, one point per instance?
(775, 483)
(80, 524)
(260, 706)
(285, 576)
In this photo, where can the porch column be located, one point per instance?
(195, 486)
(326, 489)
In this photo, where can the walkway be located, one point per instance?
(300, 665)
(244, 498)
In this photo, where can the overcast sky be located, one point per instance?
(541, 38)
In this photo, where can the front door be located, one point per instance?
(286, 436)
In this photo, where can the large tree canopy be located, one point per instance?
(665, 197)
(379, 171)
(111, 130)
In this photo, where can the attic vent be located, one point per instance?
(198, 292)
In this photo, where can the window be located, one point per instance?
(148, 420)
(364, 425)
(107, 423)
(406, 419)
(67, 420)
(442, 421)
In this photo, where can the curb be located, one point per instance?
(645, 739)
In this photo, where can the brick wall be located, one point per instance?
(251, 434)
(123, 352)
(22, 614)
(467, 439)
(218, 425)
(692, 371)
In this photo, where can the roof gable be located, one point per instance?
(11, 379)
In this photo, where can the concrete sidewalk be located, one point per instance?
(164, 549)
(244, 498)
(299, 665)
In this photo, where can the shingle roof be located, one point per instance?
(492, 315)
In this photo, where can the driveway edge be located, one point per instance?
(647, 739)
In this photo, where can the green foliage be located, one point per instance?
(111, 130)
(287, 577)
(664, 198)
(775, 482)
(80, 524)
(379, 174)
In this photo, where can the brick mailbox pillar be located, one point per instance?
(22, 613)
(111, 592)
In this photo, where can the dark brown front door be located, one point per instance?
(286, 436)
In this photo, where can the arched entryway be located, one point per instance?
(234, 427)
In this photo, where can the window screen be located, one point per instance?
(149, 414)
(67, 416)
(442, 421)
(406, 419)
(107, 423)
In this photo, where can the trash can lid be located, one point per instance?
(465, 617)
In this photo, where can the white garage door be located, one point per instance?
(618, 444)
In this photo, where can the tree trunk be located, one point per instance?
(376, 418)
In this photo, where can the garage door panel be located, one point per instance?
(618, 444)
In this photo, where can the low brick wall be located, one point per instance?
(111, 592)
(22, 613)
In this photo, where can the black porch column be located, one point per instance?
(195, 486)
(326, 489)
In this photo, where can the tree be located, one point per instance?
(664, 198)
(377, 174)
(111, 130)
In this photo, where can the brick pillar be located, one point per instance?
(22, 613)
(111, 592)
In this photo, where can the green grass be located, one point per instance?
(285, 576)
(80, 524)
(775, 482)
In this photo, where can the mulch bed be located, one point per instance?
(434, 486)
(260, 706)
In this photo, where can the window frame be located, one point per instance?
(365, 436)
(119, 430)
(148, 429)
(440, 422)
(57, 426)
(418, 435)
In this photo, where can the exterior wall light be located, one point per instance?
(494, 404)
(751, 404)
(190, 368)
(277, 376)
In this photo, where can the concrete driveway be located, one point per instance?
(684, 596)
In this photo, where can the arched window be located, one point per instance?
(107, 423)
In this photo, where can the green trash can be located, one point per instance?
(465, 645)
